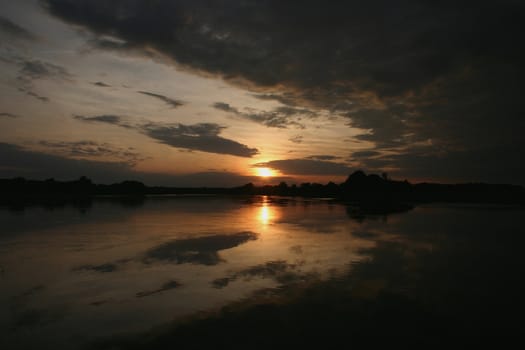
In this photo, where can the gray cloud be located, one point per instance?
(307, 167)
(365, 154)
(104, 268)
(101, 84)
(225, 107)
(17, 161)
(445, 74)
(285, 98)
(36, 69)
(281, 117)
(91, 149)
(106, 118)
(197, 137)
(14, 30)
(34, 94)
(296, 139)
(170, 101)
(456, 167)
(200, 137)
(8, 115)
(164, 288)
(323, 157)
(30, 70)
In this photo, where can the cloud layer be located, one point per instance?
(204, 137)
(91, 149)
(422, 78)
(18, 161)
(199, 137)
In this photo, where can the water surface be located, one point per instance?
(75, 276)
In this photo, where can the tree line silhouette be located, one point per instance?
(371, 191)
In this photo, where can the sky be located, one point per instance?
(219, 93)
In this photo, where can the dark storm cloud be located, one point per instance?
(446, 74)
(170, 101)
(101, 84)
(280, 117)
(91, 149)
(8, 115)
(199, 137)
(462, 166)
(307, 167)
(13, 29)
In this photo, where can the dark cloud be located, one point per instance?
(36, 69)
(365, 154)
(108, 267)
(200, 137)
(323, 157)
(101, 84)
(200, 250)
(491, 165)
(14, 30)
(30, 70)
(17, 161)
(225, 107)
(91, 149)
(211, 179)
(446, 74)
(170, 101)
(106, 118)
(34, 94)
(296, 139)
(165, 287)
(288, 99)
(8, 115)
(307, 167)
(281, 117)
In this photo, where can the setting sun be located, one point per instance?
(264, 172)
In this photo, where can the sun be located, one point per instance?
(264, 172)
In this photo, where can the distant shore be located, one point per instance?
(372, 193)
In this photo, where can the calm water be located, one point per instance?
(111, 271)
